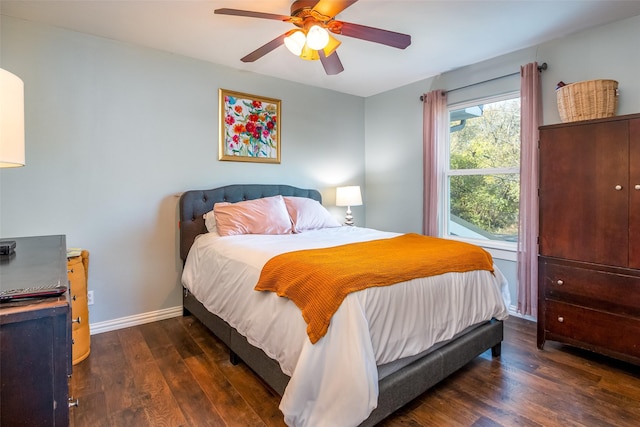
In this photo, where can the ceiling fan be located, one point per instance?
(311, 40)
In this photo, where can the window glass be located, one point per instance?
(483, 174)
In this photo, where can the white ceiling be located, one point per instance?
(445, 34)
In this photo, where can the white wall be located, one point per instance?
(115, 131)
(393, 120)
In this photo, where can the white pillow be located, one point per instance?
(210, 221)
(308, 214)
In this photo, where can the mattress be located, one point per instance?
(375, 327)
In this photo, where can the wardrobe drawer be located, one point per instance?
(592, 329)
(603, 290)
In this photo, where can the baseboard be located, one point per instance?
(168, 313)
(135, 320)
(513, 311)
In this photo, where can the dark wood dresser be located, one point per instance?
(35, 337)
(589, 264)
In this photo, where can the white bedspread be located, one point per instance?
(335, 382)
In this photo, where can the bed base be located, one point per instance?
(395, 390)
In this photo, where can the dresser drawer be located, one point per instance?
(592, 329)
(602, 290)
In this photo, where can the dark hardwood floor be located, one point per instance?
(175, 373)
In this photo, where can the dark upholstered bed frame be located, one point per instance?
(396, 389)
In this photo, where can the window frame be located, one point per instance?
(507, 249)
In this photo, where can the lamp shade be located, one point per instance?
(348, 196)
(317, 37)
(11, 120)
(295, 42)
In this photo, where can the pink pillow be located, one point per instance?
(260, 216)
(308, 214)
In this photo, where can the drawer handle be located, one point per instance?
(637, 187)
(73, 298)
(560, 319)
(70, 270)
(73, 402)
(559, 282)
(77, 320)
(618, 187)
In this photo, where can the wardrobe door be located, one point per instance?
(584, 175)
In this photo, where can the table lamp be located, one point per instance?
(11, 120)
(348, 196)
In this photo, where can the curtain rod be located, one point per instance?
(541, 68)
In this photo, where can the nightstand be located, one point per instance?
(35, 337)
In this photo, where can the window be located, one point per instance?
(482, 172)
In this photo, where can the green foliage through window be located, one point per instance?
(484, 180)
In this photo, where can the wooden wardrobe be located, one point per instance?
(589, 241)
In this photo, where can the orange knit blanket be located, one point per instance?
(318, 280)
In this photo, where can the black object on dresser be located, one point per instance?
(35, 336)
(589, 264)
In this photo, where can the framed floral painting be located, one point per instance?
(249, 128)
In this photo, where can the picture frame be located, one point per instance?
(249, 127)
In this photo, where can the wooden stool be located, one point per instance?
(78, 272)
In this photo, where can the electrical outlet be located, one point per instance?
(90, 298)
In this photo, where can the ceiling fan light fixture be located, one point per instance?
(317, 37)
(295, 42)
(309, 54)
(331, 46)
(311, 40)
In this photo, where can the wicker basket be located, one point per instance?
(591, 99)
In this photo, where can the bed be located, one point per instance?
(396, 382)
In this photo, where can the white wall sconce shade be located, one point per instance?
(348, 196)
(11, 120)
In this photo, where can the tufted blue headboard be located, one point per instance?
(195, 203)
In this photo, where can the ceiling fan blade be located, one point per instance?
(264, 49)
(332, 64)
(252, 14)
(377, 35)
(331, 8)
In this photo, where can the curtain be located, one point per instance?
(530, 120)
(435, 122)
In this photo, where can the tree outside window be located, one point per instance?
(483, 173)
